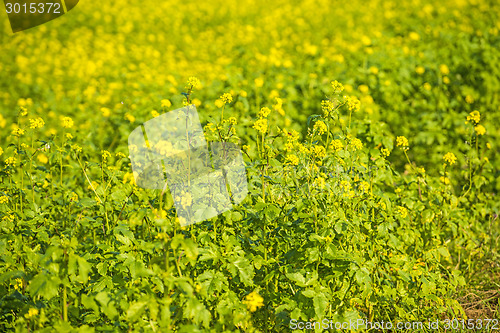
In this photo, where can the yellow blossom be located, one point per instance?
(253, 301)
(259, 82)
(154, 114)
(420, 70)
(403, 211)
(11, 161)
(337, 87)
(480, 130)
(402, 142)
(4, 199)
(17, 131)
(1, 151)
(193, 82)
(319, 151)
(129, 117)
(106, 112)
(165, 103)
(363, 88)
(36, 123)
(444, 180)
(261, 125)
(450, 158)
(414, 36)
(320, 182)
(76, 148)
(292, 159)
(226, 98)
(364, 187)
(326, 106)
(67, 122)
(353, 103)
(42, 158)
(356, 144)
(444, 69)
(128, 178)
(320, 127)
(219, 103)
(264, 112)
(31, 313)
(105, 155)
(474, 116)
(336, 145)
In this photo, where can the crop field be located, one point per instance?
(370, 139)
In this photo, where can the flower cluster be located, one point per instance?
(36, 123)
(320, 127)
(67, 122)
(253, 301)
(450, 158)
(261, 124)
(402, 142)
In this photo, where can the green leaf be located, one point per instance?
(44, 285)
(135, 310)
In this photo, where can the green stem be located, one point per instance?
(64, 304)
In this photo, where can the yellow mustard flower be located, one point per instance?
(356, 144)
(4, 199)
(106, 112)
(364, 187)
(444, 180)
(193, 82)
(320, 127)
(319, 151)
(320, 182)
(402, 211)
(444, 69)
(480, 130)
(165, 103)
(259, 82)
(67, 122)
(253, 301)
(11, 161)
(226, 98)
(129, 117)
(327, 106)
(264, 112)
(292, 159)
(17, 131)
(336, 145)
(402, 142)
(261, 125)
(36, 123)
(31, 313)
(337, 87)
(42, 158)
(450, 158)
(474, 116)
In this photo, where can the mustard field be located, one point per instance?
(369, 136)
